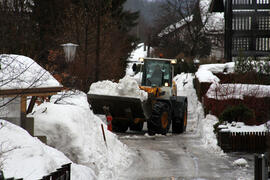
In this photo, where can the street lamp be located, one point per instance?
(70, 51)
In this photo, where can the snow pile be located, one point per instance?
(240, 162)
(241, 127)
(206, 72)
(185, 88)
(237, 91)
(22, 72)
(23, 156)
(128, 87)
(208, 136)
(72, 128)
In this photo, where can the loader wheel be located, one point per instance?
(118, 126)
(136, 127)
(160, 120)
(179, 125)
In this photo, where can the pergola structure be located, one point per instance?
(22, 78)
(247, 27)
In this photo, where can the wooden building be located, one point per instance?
(247, 27)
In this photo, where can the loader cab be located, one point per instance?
(157, 72)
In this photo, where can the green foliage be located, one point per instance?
(185, 66)
(237, 113)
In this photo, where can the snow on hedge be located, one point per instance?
(22, 72)
(23, 156)
(206, 72)
(72, 128)
(241, 127)
(127, 87)
(237, 91)
(240, 162)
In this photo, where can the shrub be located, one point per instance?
(237, 113)
(249, 64)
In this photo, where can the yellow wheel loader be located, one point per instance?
(162, 108)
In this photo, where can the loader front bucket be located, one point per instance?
(120, 107)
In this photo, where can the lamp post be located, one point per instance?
(70, 51)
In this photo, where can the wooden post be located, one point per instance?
(23, 111)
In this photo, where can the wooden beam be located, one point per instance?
(31, 105)
(31, 91)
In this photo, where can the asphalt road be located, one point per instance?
(180, 157)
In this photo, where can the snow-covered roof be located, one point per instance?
(20, 72)
(212, 21)
(175, 26)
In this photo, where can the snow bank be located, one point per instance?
(206, 72)
(237, 91)
(22, 72)
(195, 111)
(28, 158)
(202, 126)
(241, 127)
(240, 162)
(208, 136)
(71, 127)
(128, 87)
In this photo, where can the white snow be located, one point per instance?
(237, 91)
(208, 136)
(202, 126)
(22, 72)
(241, 127)
(213, 21)
(175, 26)
(240, 162)
(206, 76)
(72, 128)
(206, 72)
(22, 156)
(134, 57)
(127, 87)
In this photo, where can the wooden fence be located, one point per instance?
(62, 173)
(243, 141)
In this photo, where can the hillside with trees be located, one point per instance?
(100, 28)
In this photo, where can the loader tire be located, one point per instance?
(120, 127)
(160, 120)
(179, 125)
(136, 127)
